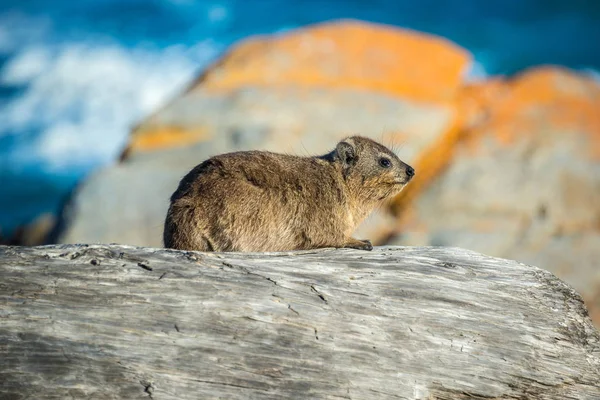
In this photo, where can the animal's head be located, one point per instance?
(371, 169)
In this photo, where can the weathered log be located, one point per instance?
(120, 322)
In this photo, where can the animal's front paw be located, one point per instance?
(366, 245)
(359, 244)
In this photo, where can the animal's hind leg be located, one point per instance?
(182, 239)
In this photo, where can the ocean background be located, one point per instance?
(76, 75)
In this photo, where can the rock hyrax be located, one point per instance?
(263, 201)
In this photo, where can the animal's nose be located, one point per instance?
(410, 171)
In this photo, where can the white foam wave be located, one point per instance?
(82, 98)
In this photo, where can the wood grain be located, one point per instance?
(120, 322)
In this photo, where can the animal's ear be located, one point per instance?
(346, 153)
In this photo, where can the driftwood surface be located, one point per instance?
(121, 322)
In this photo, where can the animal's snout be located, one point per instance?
(410, 171)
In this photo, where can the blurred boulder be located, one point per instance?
(525, 181)
(298, 93)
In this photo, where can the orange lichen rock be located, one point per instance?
(474, 100)
(163, 137)
(329, 57)
(346, 54)
(543, 98)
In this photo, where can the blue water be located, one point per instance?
(75, 75)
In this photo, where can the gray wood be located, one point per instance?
(120, 322)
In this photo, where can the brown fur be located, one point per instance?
(263, 201)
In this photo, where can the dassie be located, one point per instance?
(254, 201)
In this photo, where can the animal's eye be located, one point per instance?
(385, 162)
